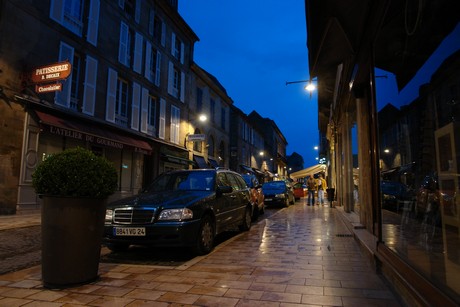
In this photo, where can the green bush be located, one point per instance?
(75, 172)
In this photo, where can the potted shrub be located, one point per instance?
(74, 185)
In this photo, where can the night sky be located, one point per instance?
(254, 47)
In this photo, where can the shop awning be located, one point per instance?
(90, 133)
(308, 171)
(213, 163)
(200, 161)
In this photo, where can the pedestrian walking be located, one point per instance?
(311, 185)
(322, 186)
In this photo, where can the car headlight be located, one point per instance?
(108, 215)
(176, 214)
(279, 195)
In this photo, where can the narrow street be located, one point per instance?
(21, 248)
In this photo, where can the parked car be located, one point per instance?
(278, 192)
(180, 208)
(257, 196)
(300, 190)
(393, 192)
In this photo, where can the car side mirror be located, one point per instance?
(224, 189)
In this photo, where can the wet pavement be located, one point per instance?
(300, 255)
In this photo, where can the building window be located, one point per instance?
(157, 30)
(73, 15)
(177, 48)
(132, 8)
(74, 88)
(151, 119)
(176, 82)
(121, 105)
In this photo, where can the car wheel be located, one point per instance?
(287, 202)
(255, 212)
(117, 247)
(205, 240)
(246, 223)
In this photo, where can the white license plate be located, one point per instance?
(268, 199)
(129, 231)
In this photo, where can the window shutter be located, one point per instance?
(62, 98)
(137, 65)
(123, 44)
(137, 13)
(89, 91)
(162, 123)
(158, 69)
(57, 10)
(170, 78)
(93, 22)
(148, 55)
(173, 43)
(182, 86)
(135, 106)
(144, 110)
(151, 21)
(111, 96)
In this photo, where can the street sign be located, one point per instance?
(196, 137)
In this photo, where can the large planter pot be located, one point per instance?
(72, 230)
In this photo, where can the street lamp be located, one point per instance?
(310, 87)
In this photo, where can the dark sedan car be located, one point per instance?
(278, 192)
(181, 208)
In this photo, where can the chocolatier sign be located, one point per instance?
(49, 73)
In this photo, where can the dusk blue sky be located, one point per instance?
(254, 47)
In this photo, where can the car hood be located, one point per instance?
(169, 199)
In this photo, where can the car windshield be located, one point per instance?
(190, 181)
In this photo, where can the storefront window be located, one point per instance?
(420, 180)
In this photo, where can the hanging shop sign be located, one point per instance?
(52, 72)
(54, 87)
(196, 137)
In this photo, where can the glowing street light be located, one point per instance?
(202, 118)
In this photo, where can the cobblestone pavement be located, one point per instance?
(19, 248)
(299, 256)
